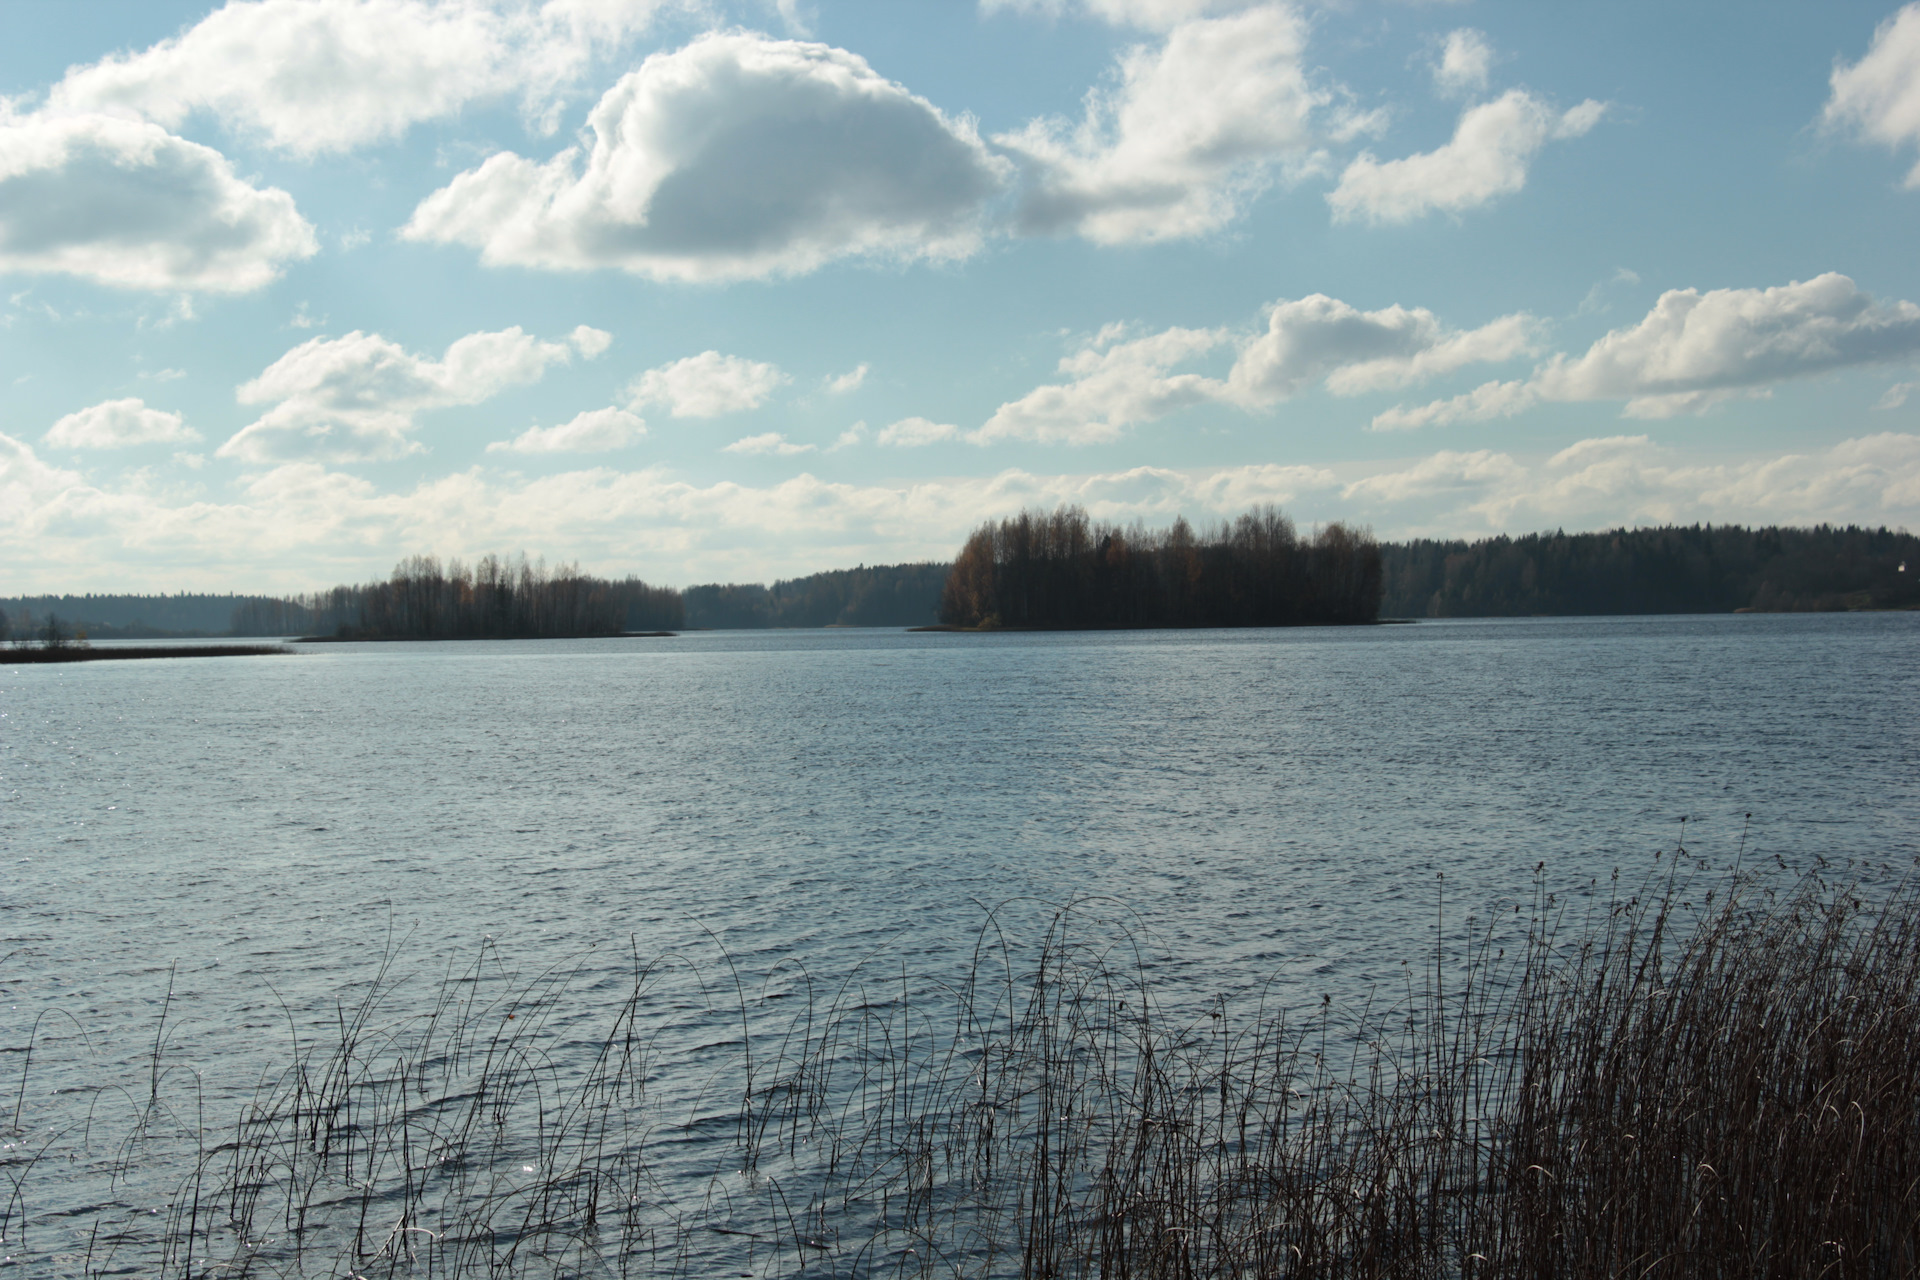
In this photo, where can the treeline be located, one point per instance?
(105, 616)
(892, 595)
(494, 599)
(1674, 569)
(1065, 570)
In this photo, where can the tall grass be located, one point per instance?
(1715, 1075)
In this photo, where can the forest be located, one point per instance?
(134, 617)
(1065, 570)
(1673, 569)
(891, 595)
(496, 598)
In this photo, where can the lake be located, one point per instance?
(1256, 812)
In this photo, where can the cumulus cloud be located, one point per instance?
(1192, 130)
(312, 76)
(1488, 157)
(1878, 97)
(1446, 472)
(852, 436)
(912, 433)
(356, 397)
(1695, 350)
(302, 525)
(1463, 63)
(1114, 383)
(1356, 351)
(126, 203)
(735, 157)
(707, 385)
(771, 442)
(1152, 15)
(589, 341)
(1632, 480)
(848, 382)
(116, 424)
(593, 431)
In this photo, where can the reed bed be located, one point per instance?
(1715, 1074)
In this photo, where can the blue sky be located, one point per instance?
(711, 291)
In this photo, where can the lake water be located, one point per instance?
(260, 832)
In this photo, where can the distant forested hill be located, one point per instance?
(1676, 569)
(139, 616)
(881, 595)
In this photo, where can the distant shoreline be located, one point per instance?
(77, 653)
(614, 635)
(1271, 626)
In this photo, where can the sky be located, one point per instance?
(733, 290)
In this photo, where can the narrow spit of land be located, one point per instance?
(78, 653)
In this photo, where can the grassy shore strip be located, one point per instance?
(80, 653)
(1715, 1075)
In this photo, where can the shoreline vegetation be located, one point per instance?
(1666, 570)
(496, 598)
(1671, 569)
(1714, 1073)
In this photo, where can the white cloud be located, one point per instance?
(1631, 480)
(312, 76)
(1446, 472)
(1492, 147)
(852, 436)
(1695, 350)
(1464, 61)
(1113, 385)
(116, 424)
(592, 431)
(126, 203)
(707, 385)
(847, 382)
(1193, 129)
(589, 341)
(735, 157)
(1152, 15)
(912, 433)
(1896, 395)
(301, 526)
(356, 397)
(1878, 97)
(1360, 351)
(1485, 402)
(772, 442)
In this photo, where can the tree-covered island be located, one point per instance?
(1065, 570)
(496, 598)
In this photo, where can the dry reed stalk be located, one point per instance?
(1731, 1089)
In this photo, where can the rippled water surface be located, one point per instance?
(260, 832)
